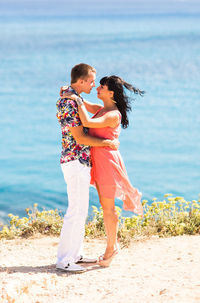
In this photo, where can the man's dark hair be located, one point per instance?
(81, 71)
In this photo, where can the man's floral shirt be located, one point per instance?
(67, 114)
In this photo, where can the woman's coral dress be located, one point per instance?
(109, 172)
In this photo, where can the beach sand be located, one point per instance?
(152, 270)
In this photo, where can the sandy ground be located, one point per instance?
(154, 270)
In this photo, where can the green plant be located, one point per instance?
(170, 217)
(47, 222)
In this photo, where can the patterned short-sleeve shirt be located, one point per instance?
(67, 114)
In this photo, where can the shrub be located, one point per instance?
(171, 217)
(47, 222)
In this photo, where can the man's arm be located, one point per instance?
(82, 138)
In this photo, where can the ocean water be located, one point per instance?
(157, 52)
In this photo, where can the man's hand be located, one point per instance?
(85, 139)
(114, 144)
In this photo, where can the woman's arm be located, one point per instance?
(92, 108)
(110, 119)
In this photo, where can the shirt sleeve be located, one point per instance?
(67, 113)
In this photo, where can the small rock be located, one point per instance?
(163, 291)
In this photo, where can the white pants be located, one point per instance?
(77, 178)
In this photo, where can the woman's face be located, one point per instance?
(103, 92)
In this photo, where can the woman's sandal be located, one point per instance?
(106, 262)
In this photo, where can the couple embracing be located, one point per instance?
(90, 156)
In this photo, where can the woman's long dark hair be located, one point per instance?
(116, 84)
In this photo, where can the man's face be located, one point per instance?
(89, 83)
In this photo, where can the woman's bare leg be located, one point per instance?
(110, 222)
(97, 187)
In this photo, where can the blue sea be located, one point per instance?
(156, 48)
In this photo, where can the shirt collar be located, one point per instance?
(72, 90)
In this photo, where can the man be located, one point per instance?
(75, 164)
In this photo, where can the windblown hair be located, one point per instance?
(117, 85)
(81, 71)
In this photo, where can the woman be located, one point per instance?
(108, 173)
